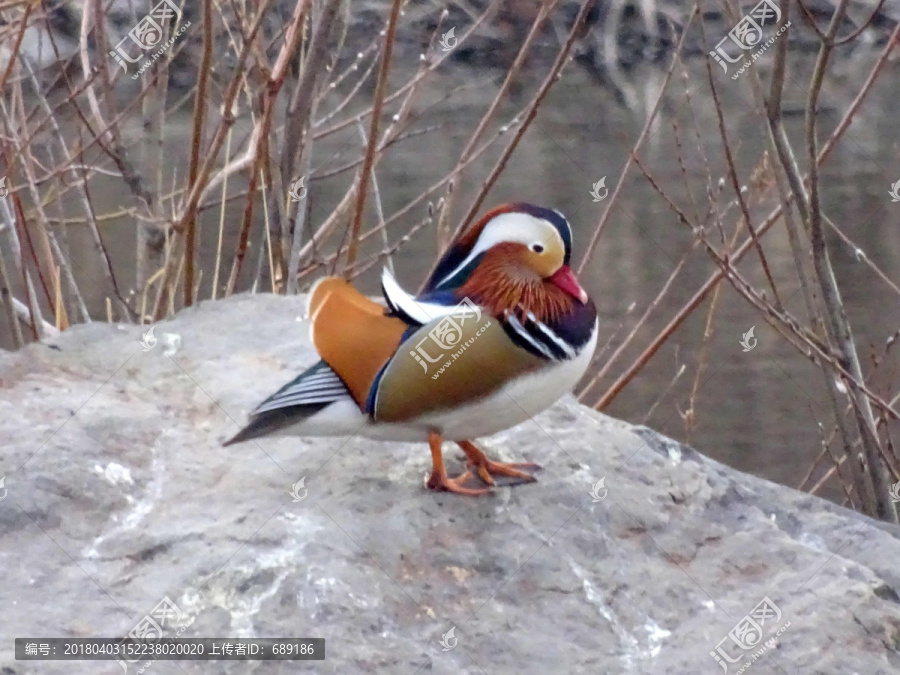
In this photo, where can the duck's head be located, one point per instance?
(516, 253)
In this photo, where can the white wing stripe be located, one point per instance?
(522, 333)
(307, 400)
(318, 379)
(317, 391)
(304, 387)
(333, 389)
(553, 337)
(319, 387)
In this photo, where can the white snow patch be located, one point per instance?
(674, 452)
(115, 473)
(284, 560)
(172, 342)
(814, 541)
(656, 634)
(140, 509)
(631, 651)
(244, 609)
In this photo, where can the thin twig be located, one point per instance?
(378, 104)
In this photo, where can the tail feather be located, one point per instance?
(274, 420)
(355, 339)
(301, 398)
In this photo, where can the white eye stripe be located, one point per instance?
(516, 227)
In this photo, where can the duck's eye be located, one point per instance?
(537, 248)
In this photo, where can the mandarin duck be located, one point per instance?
(501, 331)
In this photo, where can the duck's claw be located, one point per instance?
(442, 482)
(516, 473)
(487, 469)
(439, 480)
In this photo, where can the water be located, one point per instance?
(759, 410)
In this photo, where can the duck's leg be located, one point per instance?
(439, 479)
(487, 468)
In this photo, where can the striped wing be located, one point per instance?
(299, 399)
(318, 386)
(354, 338)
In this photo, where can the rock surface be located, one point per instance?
(118, 494)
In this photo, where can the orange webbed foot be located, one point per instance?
(439, 480)
(520, 472)
(443, 483)
(487, 469)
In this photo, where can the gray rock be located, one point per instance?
(119, 495)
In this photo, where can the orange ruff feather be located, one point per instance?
(352, 334)
(498, 284)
